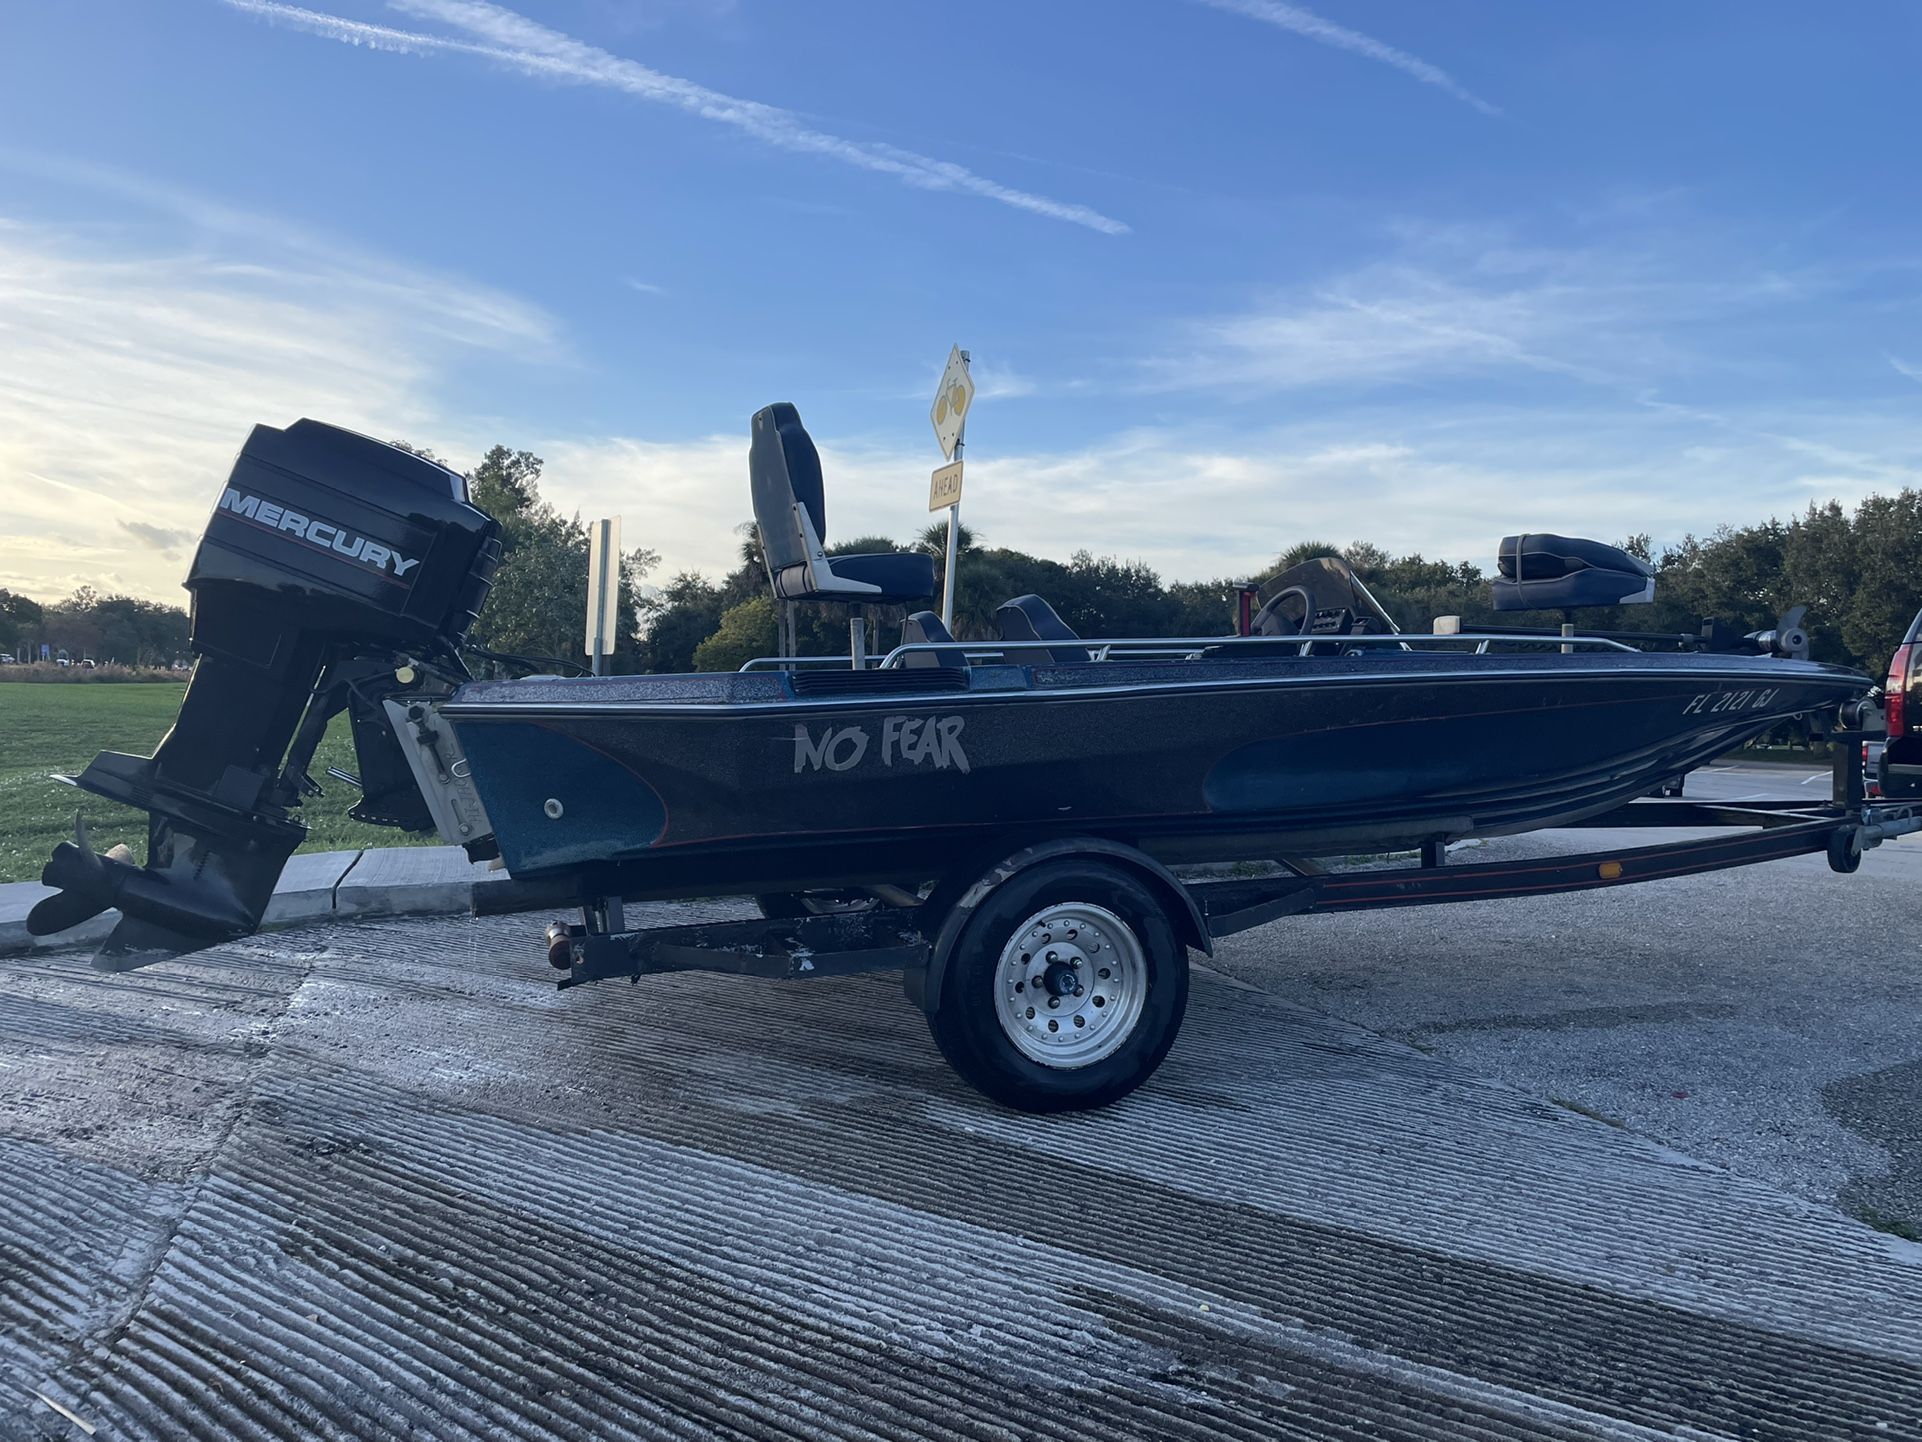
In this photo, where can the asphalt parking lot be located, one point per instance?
(380, 1179)
(1767, 1020)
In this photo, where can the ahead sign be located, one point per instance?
(944, 486)
(951, 402)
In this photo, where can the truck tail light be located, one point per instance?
(1898, 691)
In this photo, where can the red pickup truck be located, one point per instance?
(1901, 768)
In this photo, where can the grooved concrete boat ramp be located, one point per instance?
(378, 1179)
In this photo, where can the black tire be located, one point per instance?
(1845, 850)
(965, 1021)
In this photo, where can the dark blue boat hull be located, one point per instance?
(678, 786)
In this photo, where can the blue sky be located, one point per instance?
(1233, 272)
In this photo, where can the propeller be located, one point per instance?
(87, 882)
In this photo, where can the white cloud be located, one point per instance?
(127, 378)
(645, 287)
(1905, 368)
(995, 383)
(521, 44)
(158, 537)
(1454, 303)
(1306, 23)
(1447, 484)
(127, 384)
(1384, 324)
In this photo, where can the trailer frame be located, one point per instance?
(921, 939)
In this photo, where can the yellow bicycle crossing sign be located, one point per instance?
(951, 401)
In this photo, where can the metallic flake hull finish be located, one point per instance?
(1191, 761)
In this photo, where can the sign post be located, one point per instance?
(950, 417)
(603, 591)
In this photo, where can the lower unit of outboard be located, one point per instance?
(335, 573)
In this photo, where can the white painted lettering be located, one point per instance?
(846, 748)
(909, 740)
(325, 535)
(808, 753)
(240, 505)
(951, 753)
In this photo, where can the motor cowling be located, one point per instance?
(331, 561)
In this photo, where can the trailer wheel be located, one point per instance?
(1845, 850)
(1065, 989)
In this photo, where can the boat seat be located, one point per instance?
(1029, 618)
(926, 626)
(1561, 573)
(790, 511)
(897, 575)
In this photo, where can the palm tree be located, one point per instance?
(934, 541)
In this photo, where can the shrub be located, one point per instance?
(47, 671)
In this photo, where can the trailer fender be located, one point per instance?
(923, 985)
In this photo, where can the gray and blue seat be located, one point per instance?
(790, 512)
(1561, 573)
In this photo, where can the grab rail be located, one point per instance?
(783, 663)
(871, 663)
(1178, 648)
(1183, 647)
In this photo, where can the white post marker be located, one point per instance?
(603, 591)
(950, 417)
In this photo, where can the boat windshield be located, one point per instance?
(1313, 596)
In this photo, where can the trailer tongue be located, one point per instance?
(330, 564)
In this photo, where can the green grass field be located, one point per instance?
(59, 728)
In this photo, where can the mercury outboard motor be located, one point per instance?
(335, 572)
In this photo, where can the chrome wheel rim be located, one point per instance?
(1071, 985)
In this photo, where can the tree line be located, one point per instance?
(92, 626)
(536, 608)
(1858, 570)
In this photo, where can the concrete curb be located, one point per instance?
(379, 881)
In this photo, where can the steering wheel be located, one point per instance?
(1270, 615)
